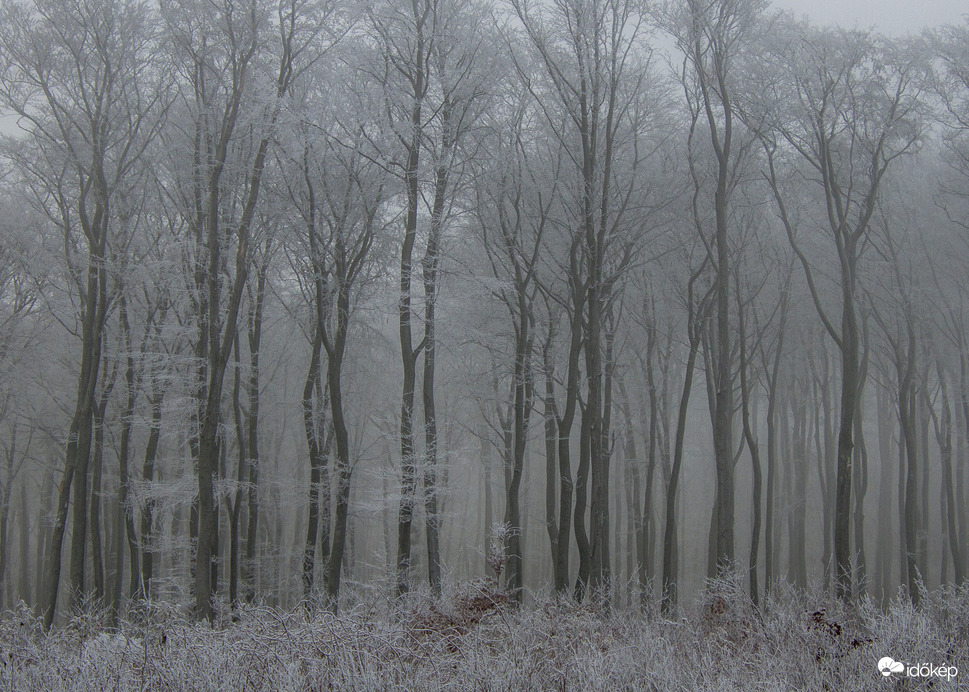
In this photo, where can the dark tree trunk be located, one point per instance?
(565, 422)
(963, 458)
(910, 514)
(521, 409)
(78, 448)
(886, 418)
(646, 515)
(753, 448)
(429, 266)
(921, 406)
(314, 431)
(639, 553)
(550, 455)
(943, 434)
(861, 469)
(670, 566)
(148, 476)
(132, 382)
(97, 550)
(342, 464)
(218, 327)
(234, 502)
(581, 507)
(824, 456)
(408, 353)
(798, 488)
(254, 456)
(771, 558)
(27, 591)
(6, 492)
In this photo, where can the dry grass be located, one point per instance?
(477, 640)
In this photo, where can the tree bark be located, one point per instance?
(408, 354)
(943, 433)
(670, 566)
(148, 476)
(317, 442)
(753, 449)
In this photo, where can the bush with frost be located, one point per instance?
(477, 638)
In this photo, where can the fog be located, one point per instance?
(318, 305)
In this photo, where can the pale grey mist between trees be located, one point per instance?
(306, 300)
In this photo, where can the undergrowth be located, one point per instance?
(477, 639)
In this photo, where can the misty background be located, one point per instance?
(310, 299)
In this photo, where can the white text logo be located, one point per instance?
(887, 666)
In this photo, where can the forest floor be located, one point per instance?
(475, 640)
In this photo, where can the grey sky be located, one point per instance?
(893, 17)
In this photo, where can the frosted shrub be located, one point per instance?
(475, 640)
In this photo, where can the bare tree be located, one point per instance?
(713, 36)
(853, 108)
(219, 51)
(86, 84)
(595, 67)
(433, 72)
(513, 211)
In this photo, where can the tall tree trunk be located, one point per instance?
(124, 450)
(97, 551)
(723, 407)
(488, 500)
(565, 423)
(314, 431)
(646, 515)
(117, 550)
(670, 566)
(429, 267)
(753, 448)
(600, 424)
(334, 371)
(234, 501)
(408, 353)
(826, 478)
(521, 408)
(78, 446)
(886, 418)
(148, 476)
(910, 514)
(797, 500)
(581, 506)
(962, 514)
(252, 427)
(550, 454)
(27, 591)
(637, 548)
(921, 406)
(846, 436)
(943, 432)
(771, 558)
(6, 491)
(216, 344)
(49, 499)
(346, 265)
(861, 470)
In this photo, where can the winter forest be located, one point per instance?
(425, 328)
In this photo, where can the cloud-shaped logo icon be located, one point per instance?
(888, 665)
